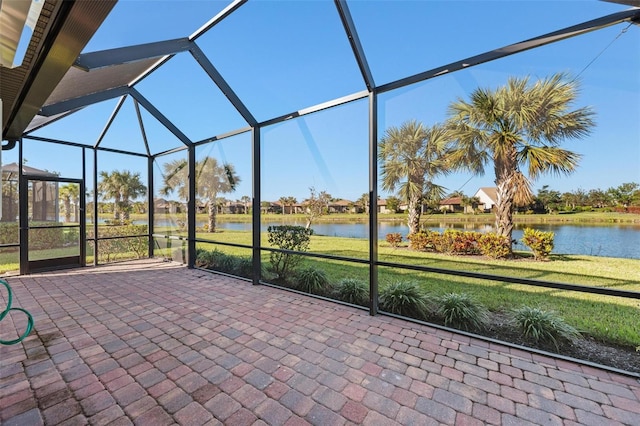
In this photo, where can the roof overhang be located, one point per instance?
(62, 31)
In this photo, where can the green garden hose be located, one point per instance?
(6, 311)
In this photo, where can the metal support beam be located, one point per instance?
(82, 101)
(141, 124)
(123, 55)
(112, 117)
(316, 108)
(255, 205)
(150, 204)
(23, 208)
(373, 203)
(83, 210)
(565, 33)
(217, 78)
(354, 40)
(95, 207)
(160, 117)
(218, 18)
(191, 209)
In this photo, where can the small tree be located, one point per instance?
(393, 204)
(316, 205)
(287, 237)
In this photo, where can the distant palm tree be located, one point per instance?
(363, 202)
(69, 194)
(283, 202)
(291, 201)
(519, 125)
(245, 200)
(211, 179)
(412, 157)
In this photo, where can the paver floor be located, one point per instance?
(153, 343)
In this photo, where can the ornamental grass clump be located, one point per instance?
(404, 298)
(461, 311)
(543, 327)
(312, 280)
(352, 290)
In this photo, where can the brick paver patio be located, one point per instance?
(154, 343)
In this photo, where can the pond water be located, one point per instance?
(611, 241)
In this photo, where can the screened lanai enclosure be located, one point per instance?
(369, 152)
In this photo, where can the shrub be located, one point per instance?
(424, 240)
(352, 290)
(459, 242)
(312, 280)
(244, 267)
(216, 260)
(127, 247)
(227, 264)
(203, 258)
(287, 237)
(540, 242)
(494, 245)
(394, 239)
(460, 310)
(404, 298)
(9, 233)
(543, 327)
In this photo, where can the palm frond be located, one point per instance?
(548, 159)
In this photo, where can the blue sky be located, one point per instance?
(282, 56)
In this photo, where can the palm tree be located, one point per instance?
(69, 194)
(109, 188)
(122, 187)
(518, 126)
(283, 201)
(131, 187)
(363, 202)
(211, 179)
(245, 200)
(291, 201)
(412, 156)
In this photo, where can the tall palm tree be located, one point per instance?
(518, 126)
(69, 194)
(211, 179)
(109, 189)
(412, 157)
(122, 187)
(131, 187)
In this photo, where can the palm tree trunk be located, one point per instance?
(212, 215)
(413, 220)
(67, 210)
(504, 210)
(125, 209)
(506, 188)
(116, 209)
